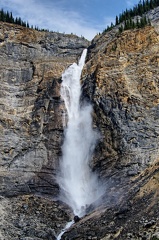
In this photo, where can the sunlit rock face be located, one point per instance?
(31, 66)
(121, 79)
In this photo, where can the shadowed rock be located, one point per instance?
(76, 219)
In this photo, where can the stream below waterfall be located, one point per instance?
(68, 225)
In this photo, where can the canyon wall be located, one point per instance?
(120, 79)
(31, 110)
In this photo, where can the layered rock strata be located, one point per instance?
(121, 80)
(31, 110)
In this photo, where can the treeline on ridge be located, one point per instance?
(125, 18)
(8, 17)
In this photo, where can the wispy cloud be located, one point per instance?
(51, 16)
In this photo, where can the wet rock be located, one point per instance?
(76, 219)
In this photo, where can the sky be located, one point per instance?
(81, 17)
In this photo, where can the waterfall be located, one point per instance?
(79, 185)
(68, 225)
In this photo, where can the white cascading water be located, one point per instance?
(79, 185)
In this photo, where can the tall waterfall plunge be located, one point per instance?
(79, 185)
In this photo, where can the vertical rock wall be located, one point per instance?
(31, 64)
(121, 79)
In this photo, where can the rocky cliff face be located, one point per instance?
(30, 107)
(120, 78)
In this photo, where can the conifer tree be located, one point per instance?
(27, 25)
(116, 21)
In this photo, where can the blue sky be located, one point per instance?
(82, 17)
